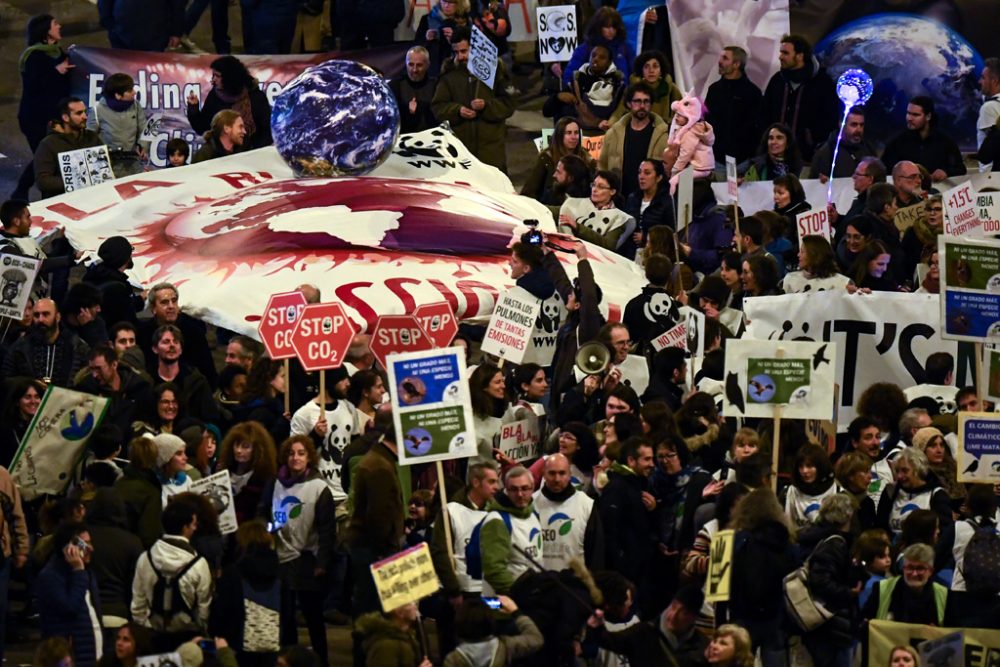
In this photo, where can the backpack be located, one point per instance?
(167, 600)
(807, 612)
(981, 563)
(473, 556)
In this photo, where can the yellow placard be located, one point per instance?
(720, 566)
(405, 577)
(982, 647)
(593, 145)
(905, 217)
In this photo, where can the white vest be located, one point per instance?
(293, 513)
(524, 534)
(564, 525)
(907, 502)
(881, 477)
(803, 510)
(463, 521)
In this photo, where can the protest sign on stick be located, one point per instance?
(557, 33)
(483, 56)
(405, 577)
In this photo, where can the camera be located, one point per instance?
(492, 603)
(532, 236)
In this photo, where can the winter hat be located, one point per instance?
(191, 655)
(167, 444)
(116, 252)
(923, 437)
(714, 289)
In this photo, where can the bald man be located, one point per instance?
(570, 526)
(47, 352)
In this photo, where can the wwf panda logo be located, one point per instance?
(332, 450)
(660, 307)
(548, 316)
(437, 147)
(598, 225)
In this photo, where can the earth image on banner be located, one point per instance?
(908, 56)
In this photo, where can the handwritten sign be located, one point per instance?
(594, 145)
(988, 208)
(511, 325)
(521, 440)
(813, 223)
(905, 217)
(405, 577)
(557, 33)
(483, 55)
(960, 217)
(720, 570)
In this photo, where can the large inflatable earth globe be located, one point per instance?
(335, 119)
(907, 56)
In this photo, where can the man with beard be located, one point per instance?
(124, 386)
(195, 394)
(733, 104)
(853, 149)
(163, 302)
(638, 135)
(477, 114)
(46, 353)
(801, 95)
(920, 142)
(225, 138)
(72, 136)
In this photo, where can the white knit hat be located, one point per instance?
(167, 444)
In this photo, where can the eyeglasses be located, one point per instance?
(934, 209)
(910, 177)
(666, 456)
(600, 186)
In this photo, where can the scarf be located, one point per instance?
(53, 51)
(240, 103)
(932, 285)
(288, 479)
(118, 105)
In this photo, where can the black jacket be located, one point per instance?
(659, 212)
(134, 394)
(404, 89)
(42, 88)
(31, 355)
(580, 326)
(119, 300)
(628, 527)
(937, 151)
(810, 109)
(142, 25)
(260, 109)
(990, 150)
(831, 579)
(733, 110)
(196, 349)
(116, 551)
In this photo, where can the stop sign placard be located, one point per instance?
(322, 336)
(278, 322)
(438, 321)
(395, 334)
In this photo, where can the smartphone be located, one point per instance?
(207, 645)
(492, 603)
(80, 544)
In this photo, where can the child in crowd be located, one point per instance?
(693, 136)
(178, 152)
(597, 88)
(871, 553)
(120, 122)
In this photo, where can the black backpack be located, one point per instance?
(981, 562)
(167, 600)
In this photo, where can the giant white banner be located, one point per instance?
(881, 337)
(432, 223)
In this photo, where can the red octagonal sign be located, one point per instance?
(395, 334)
(322, 336)
(278, 322)
(438, 321)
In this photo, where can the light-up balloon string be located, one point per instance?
(854, 87)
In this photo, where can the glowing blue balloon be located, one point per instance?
(854, 87)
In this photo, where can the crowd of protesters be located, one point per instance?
(598, 551)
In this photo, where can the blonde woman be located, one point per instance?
(730, 647)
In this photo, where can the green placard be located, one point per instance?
(975, 267)
(774, 381)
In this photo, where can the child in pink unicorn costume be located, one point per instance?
(692, 138)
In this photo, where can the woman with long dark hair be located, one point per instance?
(777, 155)
(233, 87)
(44, 68)
(651, 205)
(487, 387)
(870, 271)
(812, 481)
(365, 393)
(248, 453)
(566, 140)
(263, 398)
(22, 404)
(818, 268)
(163, 415)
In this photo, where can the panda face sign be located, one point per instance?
(437, 146)
(658, 307)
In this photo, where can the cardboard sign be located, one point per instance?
(685, 198)
(732, 181)
(545, 335)
(483, 55)
(557, 33)
(405, 577)
(594, 145)
(17, 275)
(694, 321)
(905, 217)
(988, 210)
(720, 571)
(509, 332)
(431, 405)
(218, 488)
(521, 440)
(970, 288)
(813, 223)
(796, 375)
(542, 142)
(55, 441)
(981, 646)
(676, 337)
(978, 447)
(160, 660)
(85, 167)
(960, 217)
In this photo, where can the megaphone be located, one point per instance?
(593, 358)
